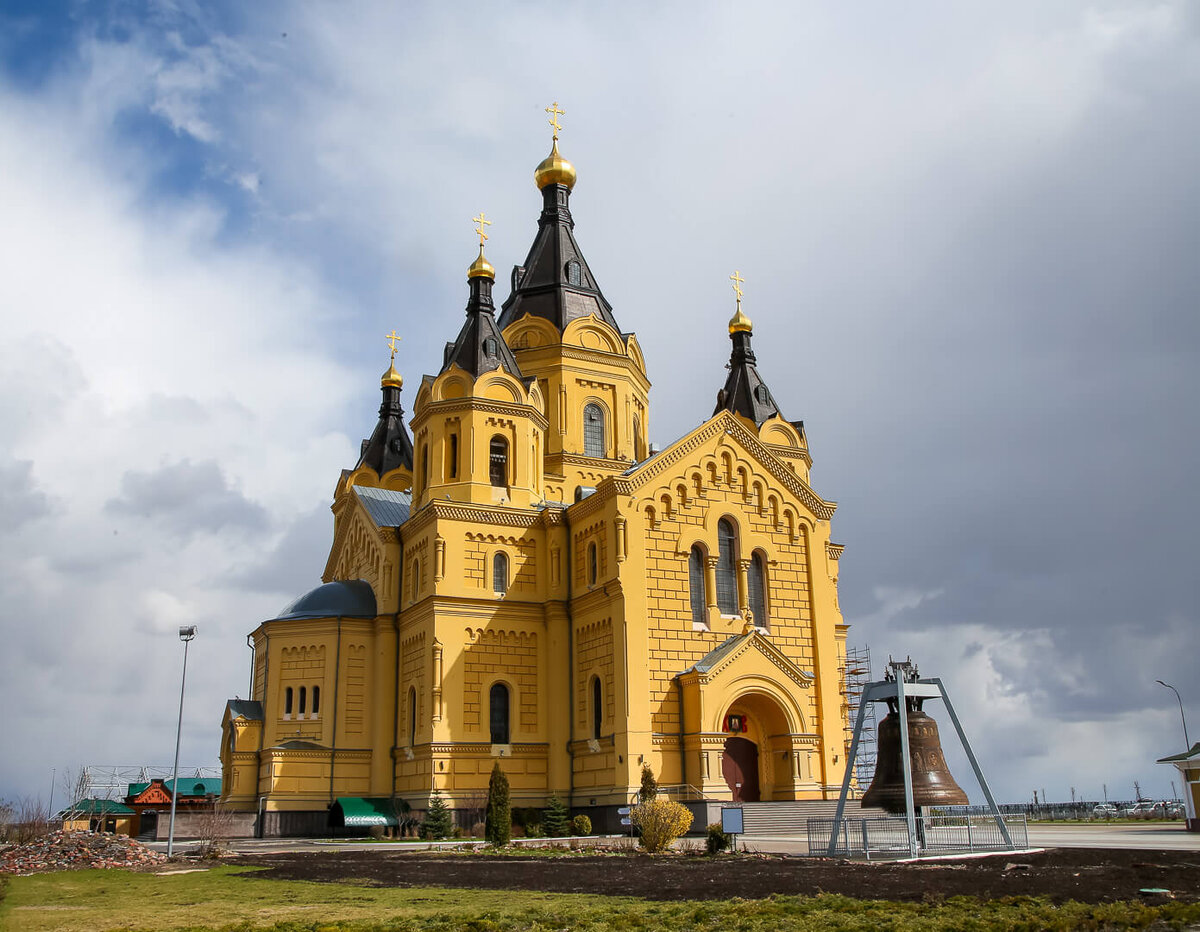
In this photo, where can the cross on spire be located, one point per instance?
(738, 281)
(481, 222)
(392, 339)
(555, 113)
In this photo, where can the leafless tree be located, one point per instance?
(22, 821)
(214, 827)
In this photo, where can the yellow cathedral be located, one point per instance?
(518, 576)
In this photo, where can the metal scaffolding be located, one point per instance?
(108, 781)
(856, 673)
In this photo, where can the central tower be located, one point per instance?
(563, 333)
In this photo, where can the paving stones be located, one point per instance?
(65, 851)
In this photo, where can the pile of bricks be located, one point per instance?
(68, 851)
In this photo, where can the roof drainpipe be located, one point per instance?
(337, 670)
(253, 659)
(570, 666)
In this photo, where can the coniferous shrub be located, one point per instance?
(581, 825)
(438, 820)
(649, 785)
(660, 822)
(498, 829)
(718, 838)
(556, 820)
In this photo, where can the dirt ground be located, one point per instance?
(1084, 874)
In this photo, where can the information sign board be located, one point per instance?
(731, 821)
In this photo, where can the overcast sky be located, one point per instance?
(969, 237)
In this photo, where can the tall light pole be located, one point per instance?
(1187, 745)
(186, 633)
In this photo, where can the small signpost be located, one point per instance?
(623, 812)
(731, 823)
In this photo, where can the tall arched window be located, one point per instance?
(593, 564)
(597, 707)
(412, 717)
(287, 702)
(593, 430)
(498, 461)
(639, 452)
(696, 586)
(453, 454)
(727, 594)
(756, 579)
(498, 713)
(316, 700)
(424, 465)
(303, 696)
(500, 573)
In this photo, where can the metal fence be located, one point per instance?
(887, 836)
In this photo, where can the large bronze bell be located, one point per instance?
(932, 783)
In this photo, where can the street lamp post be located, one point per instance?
(186, 633)
(1187, 745)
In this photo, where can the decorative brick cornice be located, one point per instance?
(727, 423)
(834, 551)
(439, 510)
(483, 748)
(469, 403)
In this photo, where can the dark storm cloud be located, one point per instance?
(187, 497)
(294, 565)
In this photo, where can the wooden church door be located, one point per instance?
(739, 767)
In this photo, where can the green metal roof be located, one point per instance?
(96, 807)
(188, 786)
(359, 812)
(1192, 752)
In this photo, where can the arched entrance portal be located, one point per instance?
(757, 761)
(739, 767)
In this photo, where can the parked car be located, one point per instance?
(1174, 810)
(1105, 811)
(1144, 810)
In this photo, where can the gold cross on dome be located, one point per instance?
(393, 338)
(555, 113)
(480, 223)
(738, 281)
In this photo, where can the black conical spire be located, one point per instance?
(480, 347)
(745, 392)
(389, 446)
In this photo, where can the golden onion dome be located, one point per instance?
(555, 170)
(740, 323)
(392, 378)
(481, 268)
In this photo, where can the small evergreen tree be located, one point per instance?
(556, 820)
(649, 784)
(438, 820)
(498, 829)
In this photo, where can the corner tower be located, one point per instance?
(563, 333)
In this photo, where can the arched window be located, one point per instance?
(756, 579)
(416, 578)
(287, 702)
(727, 594)
(453, 456)
(593, 430)
(639, 452)
(498, 462)
(498, 713)
(696, 586)
(574, 273)
(593, 564)
(500, 573)
(412, 717)
(303, 696)
(597, 707)
(316, 700)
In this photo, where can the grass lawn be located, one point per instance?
(233, 899)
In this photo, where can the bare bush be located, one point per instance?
(214, 828)
(23, 821)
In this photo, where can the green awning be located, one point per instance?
(360, 812)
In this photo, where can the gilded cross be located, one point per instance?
(555, 113)
(393, 338)
(738, 281)
(480, 223)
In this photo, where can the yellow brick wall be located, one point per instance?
(595, 650)
(508, 655)
(356, 690)
(412, 666)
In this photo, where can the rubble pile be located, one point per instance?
(69, 851)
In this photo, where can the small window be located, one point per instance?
(574, 273)
(287, 702)
(498, 713)
(593, 564)
(756, 581)
(593, 430)
(416, 578)
(696, 586)
(303, 695)
(500, 573)
(491, 347)
(762, 394)
(498, 462)
(412, 717)
(597, 707)
(424, 465)
(639, 451)
(454, 456)
(316, 694)
(727, 594)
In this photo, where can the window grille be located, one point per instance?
(593, 431)
(696, 586)
(500, 573)
(498, 462)
(498, 713)
(756, 579)
(726, 568)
